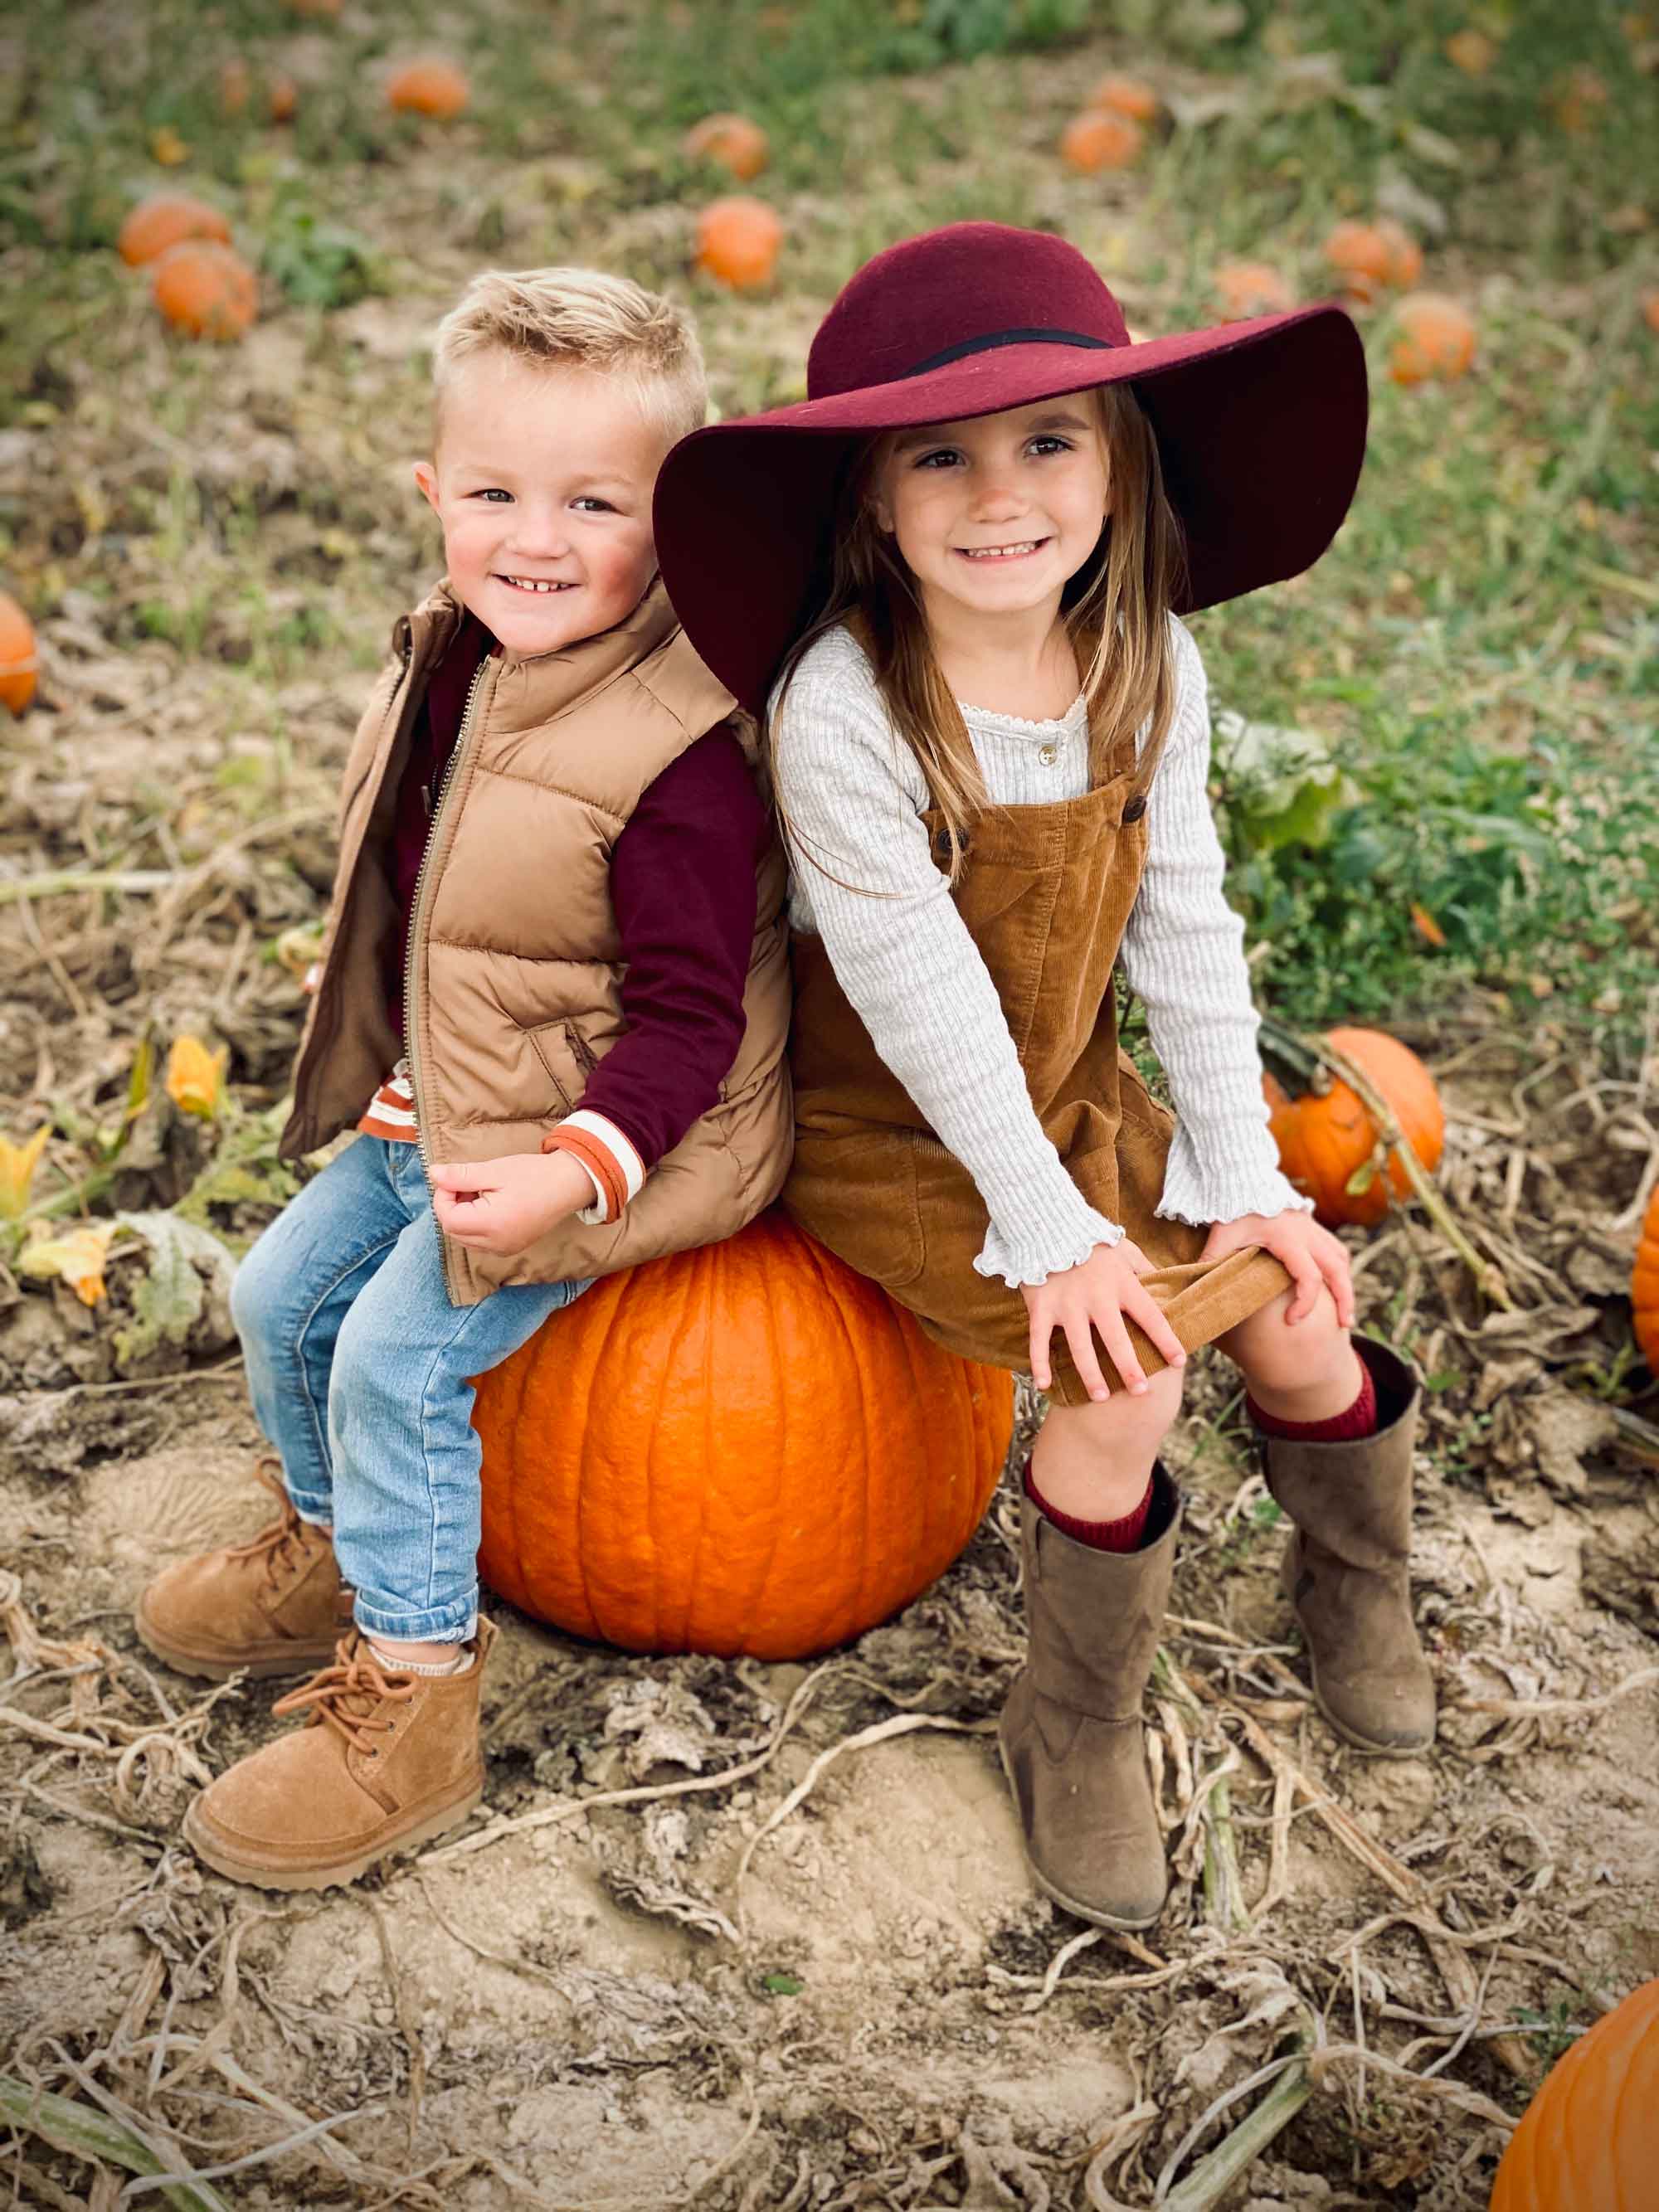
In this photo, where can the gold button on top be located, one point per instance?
(1048, 756)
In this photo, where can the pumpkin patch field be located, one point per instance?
(744, 1922)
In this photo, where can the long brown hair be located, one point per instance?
(1115, 609)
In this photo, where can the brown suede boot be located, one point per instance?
(387, 1759)
(274, 1605)
(1346, 1569)
(1070, 1735)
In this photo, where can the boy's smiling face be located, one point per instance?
(542, 478)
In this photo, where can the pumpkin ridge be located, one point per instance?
(758, 1580)
(929, 1507)
(680, 1335)
(828, 1613)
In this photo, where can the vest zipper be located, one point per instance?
(411, 1024)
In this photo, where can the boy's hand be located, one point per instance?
(1105, 1287)
(503, 1206)
(1311, 1254)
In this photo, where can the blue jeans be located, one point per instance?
(358, 1367)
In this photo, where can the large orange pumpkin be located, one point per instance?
(1644, 1286)
(19, 662)
(738, 241)
(168, 219)
(746, 1448)
(205, 290)
(1589, 2141)
(1326, 1139)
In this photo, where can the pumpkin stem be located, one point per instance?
(1292, 1061)
(1293, 1050)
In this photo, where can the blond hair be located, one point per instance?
(1116, 610)
(580, 318)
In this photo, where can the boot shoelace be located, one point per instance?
(279, 1543)
(344, 1697)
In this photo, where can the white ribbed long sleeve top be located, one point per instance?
(853, 793)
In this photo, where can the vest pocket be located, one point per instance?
(550, 1043)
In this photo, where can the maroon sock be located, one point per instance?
(1122, 1535)
(1359, 1420)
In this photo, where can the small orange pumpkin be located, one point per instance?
(430, 86)
(1370, 257)
(167, 219)
(1326, 1140)
(1650, 310)
(738, 241)
(1471, 51)
(20, 659)
(1251, 287)
(1097, 140)
(1578, 101)
(1436, 339)
(745, 1447)
(733, 141)
(1589, 2141)
(205, 290)
(283, 99)
(236, 86)
(1127, 95)
(1644, 1287)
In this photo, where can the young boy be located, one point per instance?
(553, 997)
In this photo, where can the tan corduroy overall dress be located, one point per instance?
(1046, 891)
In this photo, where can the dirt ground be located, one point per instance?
(707, 1994)
(754, 1937)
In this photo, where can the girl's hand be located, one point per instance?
(1311, 1255)
(503, 1206)
(1102, 1291)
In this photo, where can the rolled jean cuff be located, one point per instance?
(455, 1623)
(318, 1511)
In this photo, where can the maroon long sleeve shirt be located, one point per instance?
(683, 889)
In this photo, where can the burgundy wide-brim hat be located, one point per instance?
(1261, 426)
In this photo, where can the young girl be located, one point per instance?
(953, 575)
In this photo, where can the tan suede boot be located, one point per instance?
(1346, 1567)
(274, 1605)
(1070, 1735)
(387, 1759)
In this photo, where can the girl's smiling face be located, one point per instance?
(997, 513)
(542, 478)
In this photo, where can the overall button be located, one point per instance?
(1048, 755)
(1135, 808)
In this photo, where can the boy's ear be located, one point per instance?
(426, 478)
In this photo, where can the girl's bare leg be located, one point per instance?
(1095, 1461)
(1307, 1370)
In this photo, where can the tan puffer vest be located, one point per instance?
(515, 966)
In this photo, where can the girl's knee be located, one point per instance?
(1124, 1419)
(1268, 1346)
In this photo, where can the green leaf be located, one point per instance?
(172, 1299)
(1361, 1180)
(782, 1985)
(1279, 787)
